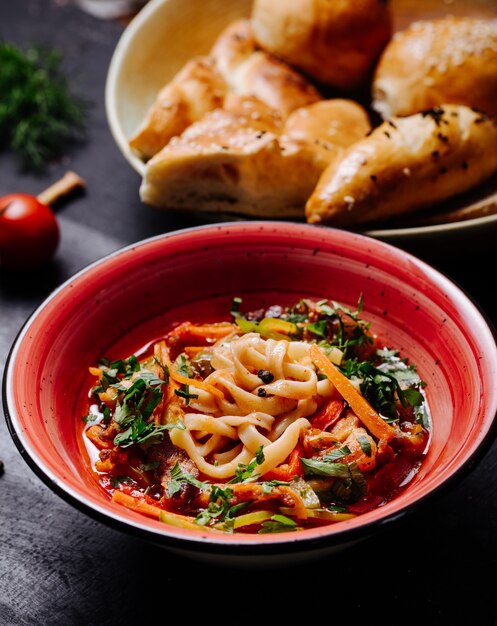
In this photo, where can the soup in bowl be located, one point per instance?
(253, 392)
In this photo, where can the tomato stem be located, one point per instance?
(64, 186)
(2, 210)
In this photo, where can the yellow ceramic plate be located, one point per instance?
(167, 33)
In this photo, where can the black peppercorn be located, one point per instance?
(265, 376)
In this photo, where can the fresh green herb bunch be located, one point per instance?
(38, 114)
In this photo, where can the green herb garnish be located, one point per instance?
(320, 467)
(115, 481)
(365, 444)
(185, 394)
(89, 417)
(184, 367)
(134, 408)
(38, 114)
(179, 477)
(220, 509)
(349, 483)
(336, 454)
(245, 473)
(385, 385)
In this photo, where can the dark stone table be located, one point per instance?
(61, 568)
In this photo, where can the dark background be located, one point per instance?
(59, 567)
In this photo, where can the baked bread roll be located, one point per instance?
(242, 160)
(234, 65)
(335, 43)
(251, 72)
(197, 88)
(249, 111)
(435, 62)
(405, 165)
(337, 123)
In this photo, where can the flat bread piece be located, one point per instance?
(196, 89)
(235, 65)
(451, 60)
(405, 165)
(250, 71)
(243, 160)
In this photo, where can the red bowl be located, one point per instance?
(114, 306)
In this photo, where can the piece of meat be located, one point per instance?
(167, 456)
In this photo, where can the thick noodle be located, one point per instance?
(251, 414)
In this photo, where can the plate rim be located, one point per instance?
(404, 234)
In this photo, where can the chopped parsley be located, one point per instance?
(385, 385)
(245, 473)
(336, 454)
(179, 477)
(350, 482)
(365, 445)
(184, 367)
(185, 394)
(135, 404)
(114, 371)
(115, 481)
(220, 509)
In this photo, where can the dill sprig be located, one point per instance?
(38, 114)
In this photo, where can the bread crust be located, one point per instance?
(339, 122)
(450, 60)
(197, 88)
(335, 43)
(235, 65)
(242, 160)
(250, 71)
(405, 165)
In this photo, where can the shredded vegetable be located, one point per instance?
(277, 420)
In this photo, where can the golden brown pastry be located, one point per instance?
(406, 164)
(197, 88)
(448, 60)
(242, 160)
(337, 122)
(235, 65)
(251, 72)
(250, 111)
(334, 42)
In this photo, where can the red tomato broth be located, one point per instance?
(384, 484)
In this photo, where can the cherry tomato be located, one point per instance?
(29, 232)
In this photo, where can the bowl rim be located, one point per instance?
(241, 545)
(132, 30)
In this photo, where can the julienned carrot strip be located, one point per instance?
(194, 350)
(184, 380)
(135, 504)
(361, 407)
(211, 331)
(203, 331)
(197, 383)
